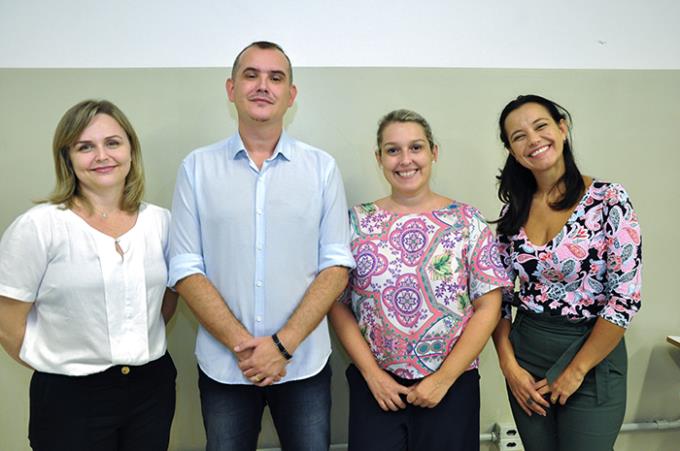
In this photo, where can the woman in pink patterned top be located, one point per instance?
(421, 305)
(574, 244)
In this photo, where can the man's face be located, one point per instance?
(261, 89)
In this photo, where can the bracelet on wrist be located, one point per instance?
(282, 349)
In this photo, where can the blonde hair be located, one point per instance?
(71, 126)
(403, 115)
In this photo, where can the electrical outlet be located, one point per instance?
(509, 444)
(507, 437)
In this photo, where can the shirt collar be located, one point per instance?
(284, 147)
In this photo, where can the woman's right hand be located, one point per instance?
(386, 391)
(527, 391)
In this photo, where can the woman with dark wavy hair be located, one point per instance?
(83, 298)
(574, 244)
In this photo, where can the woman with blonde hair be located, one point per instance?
(83, 298)
(422, 303)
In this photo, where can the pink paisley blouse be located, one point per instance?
(415, 278)
(591, 268)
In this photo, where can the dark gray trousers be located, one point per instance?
(592, 417)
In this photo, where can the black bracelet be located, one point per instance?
(282, 349)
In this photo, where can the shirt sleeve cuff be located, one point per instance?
(506, 312)
(335, 255)
(506, 303)
(617, 315)
(616, 320)
(17, 294)
(184, 265)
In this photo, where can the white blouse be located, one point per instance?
(93, 308)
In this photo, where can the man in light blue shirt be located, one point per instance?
(259, 250)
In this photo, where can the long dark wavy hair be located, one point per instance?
(517, 185)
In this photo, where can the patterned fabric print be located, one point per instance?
(591, 268)
(369, 262)
(415, 278)
(410, 240)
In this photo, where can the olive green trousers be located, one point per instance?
(591, 418)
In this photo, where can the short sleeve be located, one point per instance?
(24, 256)
(346, 296)
(486, 272)
(334, 229)
(504, 251)
(185, 245)
(624, 257)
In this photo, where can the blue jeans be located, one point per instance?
(232, 413)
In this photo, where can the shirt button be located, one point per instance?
(259, 247)
(125, 370)
(258, 319)
(258, 283)
(259, 212)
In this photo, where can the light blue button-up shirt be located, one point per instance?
(260, 236)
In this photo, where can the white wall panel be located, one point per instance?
(596, 34)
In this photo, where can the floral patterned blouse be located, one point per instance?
(591, 268)
(415, 278)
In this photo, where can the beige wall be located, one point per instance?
(626, 130)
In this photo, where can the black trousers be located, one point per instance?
(452, 425)
(125, 408)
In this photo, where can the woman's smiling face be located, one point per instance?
(536, 140)
(406, 157)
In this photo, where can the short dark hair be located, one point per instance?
(517, 185)
(264, 45)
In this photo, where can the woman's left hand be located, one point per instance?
(604, 337)
(565, 385)
(428, 392)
